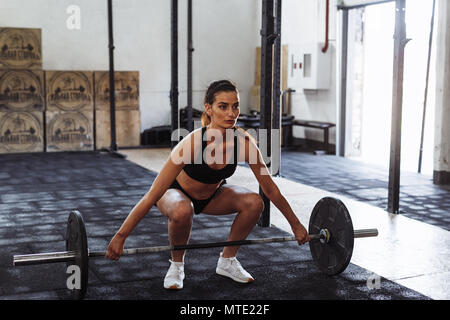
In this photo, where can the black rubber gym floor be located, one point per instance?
(37, 192)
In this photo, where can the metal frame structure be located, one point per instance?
(174, 92)
(343, 87)
(277, 94)
(400, 41)
(363, 5)
(112, 89)
(190, 49)
(430, 44)
(270, 78)
(174, 67)
(270, 86)
(267, 41)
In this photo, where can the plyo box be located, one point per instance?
(22, 90)
(255, 90)
(21, 131)
(128, 128)
(69, 131)
(126, 85)
(128, 122)
(20, 48)
(69, 110)
(69, 91)
(21, 111)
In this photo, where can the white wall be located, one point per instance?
(224, 38)
(303, 22)
(377, 83)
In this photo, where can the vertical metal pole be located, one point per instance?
(267, 39)
(190, 124)
(174, 67)
(430, 43)
(343, 98)
(276, 122)
(397, 101)
(112, 89)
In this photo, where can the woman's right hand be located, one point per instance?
(115, 247)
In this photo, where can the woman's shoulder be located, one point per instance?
(191, 139)
(190, 136)
(244, 135)
(186, 148)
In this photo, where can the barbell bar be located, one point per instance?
(67, 256)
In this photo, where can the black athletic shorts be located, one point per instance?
(199, 205)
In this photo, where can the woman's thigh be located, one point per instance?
(173, 199)
(231, 199)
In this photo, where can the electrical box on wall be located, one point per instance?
(309, 67)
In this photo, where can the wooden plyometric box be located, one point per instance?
(257, 81)
(283, 66)
(20, 48)
(71, 91)
(255, 92)
(128, 128)
(69, 131)
(21, 90)
(126, 85)
(21, 132)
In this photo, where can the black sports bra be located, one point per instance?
(202, 172)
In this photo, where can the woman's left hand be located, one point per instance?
(301, 234)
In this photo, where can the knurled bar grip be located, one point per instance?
(65, 256)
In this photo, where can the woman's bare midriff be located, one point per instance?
(196, 189)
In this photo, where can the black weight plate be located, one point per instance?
(76, 240)
(333, 257)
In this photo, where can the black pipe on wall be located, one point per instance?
(174, 68)
(112, 89)
(190, 49)
(267, 41)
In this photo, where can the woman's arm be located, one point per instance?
(254, 158)
(160, 185)
(164, 179)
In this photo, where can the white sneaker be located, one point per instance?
(175, 276)
(231, 268)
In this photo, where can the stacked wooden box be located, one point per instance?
(255, 90)
(21, 91)
(60, 110)
(70, 110)
(128, 123)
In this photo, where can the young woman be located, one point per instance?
(193, 181)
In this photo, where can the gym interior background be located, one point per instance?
(339, 79)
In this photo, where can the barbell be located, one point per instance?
(330, 229)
